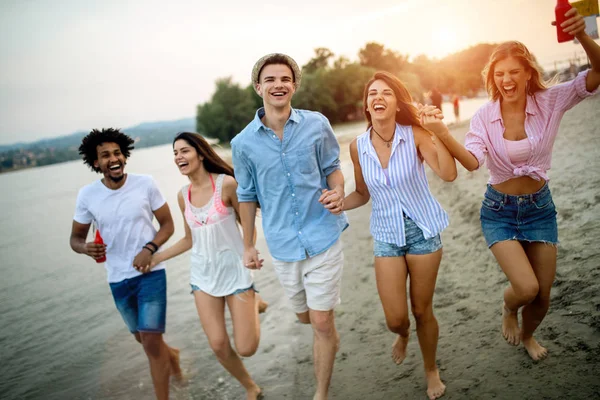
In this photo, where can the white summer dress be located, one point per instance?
(217, 248)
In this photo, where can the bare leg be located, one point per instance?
(244, 309)
(324, 348)
(423, 270)
(523, 287)
(173, 357)
(391, 274)
(303, 318)
(211, 311)
(159, 358)
(543, 260)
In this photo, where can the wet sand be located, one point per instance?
(474, 360)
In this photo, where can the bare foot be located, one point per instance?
(262, 305)
(176, 372)
(510, 326)
(254, 394)
(435, 386)
(535, 350)
(399, 349)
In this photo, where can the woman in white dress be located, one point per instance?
(209, 207)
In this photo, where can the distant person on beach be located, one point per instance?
(287, 160)
(123, 206)
(406, 220)
(210, 210)
(456, 105)
(514, 134)
(436, 98)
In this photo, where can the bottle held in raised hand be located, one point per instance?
(562, 6)
(98, 240)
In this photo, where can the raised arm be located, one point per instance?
(470, 161)
(434, 152)
(575, 25)
(182, 245)
(360, 196)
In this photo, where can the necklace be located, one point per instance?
(387, 142)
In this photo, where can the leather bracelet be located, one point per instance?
(151, 243)
(149, 249)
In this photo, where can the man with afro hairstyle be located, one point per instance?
(122, 207)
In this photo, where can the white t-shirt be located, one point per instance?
(124, 219)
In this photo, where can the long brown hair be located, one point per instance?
(407, 114)
(211, 161)
(520, 52)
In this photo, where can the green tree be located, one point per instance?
(320, 60)
(348, 83)
(227, 113)
(316, 94)
(376, 56)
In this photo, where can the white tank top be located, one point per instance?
(217, 247)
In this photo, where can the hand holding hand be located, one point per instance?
(155, 261)
(431, 119)
(332, 200)
(251, 258)
(142, 261)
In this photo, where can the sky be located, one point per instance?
(72, 65)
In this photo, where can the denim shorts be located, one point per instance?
(529, 218)
(238, 291)
(142, 301)
(415, 243)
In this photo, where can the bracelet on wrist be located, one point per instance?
(150, 249)
(153, 245)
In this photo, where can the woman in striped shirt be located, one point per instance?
(406, 220)
(514, 133)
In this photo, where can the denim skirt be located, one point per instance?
(529, 218)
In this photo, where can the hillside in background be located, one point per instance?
(64, 148)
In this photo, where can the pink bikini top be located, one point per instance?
(212, 212)
(518, 151)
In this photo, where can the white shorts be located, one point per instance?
(314, 283)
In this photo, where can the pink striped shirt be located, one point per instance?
(543, 113)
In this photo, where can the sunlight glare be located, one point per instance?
(444, 41)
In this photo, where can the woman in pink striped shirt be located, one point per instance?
(514, 133)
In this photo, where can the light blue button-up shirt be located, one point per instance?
(287, 177)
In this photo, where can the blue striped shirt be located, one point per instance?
(406, 193)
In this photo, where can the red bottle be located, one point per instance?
(562, 6)
(98, 240)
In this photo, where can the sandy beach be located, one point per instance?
(474, 360)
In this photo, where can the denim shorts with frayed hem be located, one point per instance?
(238, 291)
(527, 218)
(415, 243)
(142, 301)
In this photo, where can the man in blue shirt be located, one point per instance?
(287, 161)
